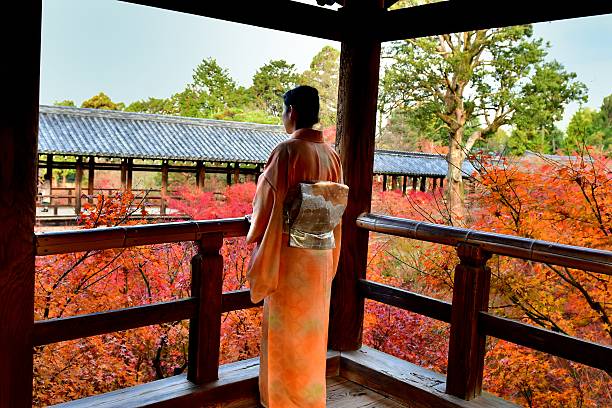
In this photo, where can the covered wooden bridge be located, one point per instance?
(86, 140)
(361, 26)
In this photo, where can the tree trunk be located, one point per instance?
(454, 188)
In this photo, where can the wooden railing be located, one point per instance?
(206, 283)
(469, 321)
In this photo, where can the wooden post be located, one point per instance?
(90, 178)
(384, 183)
(123, 174)
(466, 349)
(394, 183)
(257, 173)
(423, 181)
(18, 181)
(49, 176)
(129, 174)
(205, 327)
(164, 187)
(404, 182)
(441, 182)
(357, 96)
(236, 173)
(77, 185)
(414, 183)
(435, 183)
(228, 174)
(200, 175)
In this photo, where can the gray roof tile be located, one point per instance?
(78, 131)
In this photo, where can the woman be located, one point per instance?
(295, 282)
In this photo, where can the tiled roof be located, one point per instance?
(104, 133)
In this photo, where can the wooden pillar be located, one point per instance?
(423, 181)
(441, 182)
(90, 178)
(49, 176)
(228, 174)
(404, 182)
(129, 174)
(164, 187)
(257, 173)
(18, 181)
(394, 183)
(200, 175)
(357, 96)
(236, 173)
(205, 327)
(466, 350)
(77, 185)
(414, 183)
(123, 174)
(384, 183)
(435, 183)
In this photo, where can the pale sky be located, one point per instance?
(132, 52)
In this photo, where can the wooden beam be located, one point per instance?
(458, 16)
(560, 345)
(286, 16)
(18, 181)
(357, 96)
(430, 307)
(76, 327)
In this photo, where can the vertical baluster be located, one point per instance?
(205, 326)
(467, 347)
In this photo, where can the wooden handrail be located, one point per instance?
(594, 260)
(61, 242)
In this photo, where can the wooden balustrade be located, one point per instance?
(469, 321)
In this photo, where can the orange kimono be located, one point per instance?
(295, 283)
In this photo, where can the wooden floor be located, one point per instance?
(341, 393)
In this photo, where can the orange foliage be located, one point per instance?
(568, 203)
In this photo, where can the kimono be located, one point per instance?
(294, 282)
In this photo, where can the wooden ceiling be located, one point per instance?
(361, 21)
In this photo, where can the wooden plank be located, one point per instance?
(236, 381)
(60, 242)
(456, 16)
(357, 96)
(276, 15)
(595, 260)
(75, 327)
(424, 305)
(466, 348)
(205, 326)
(238, 300)
(18, 182)
(557, 344)
(407, 382)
